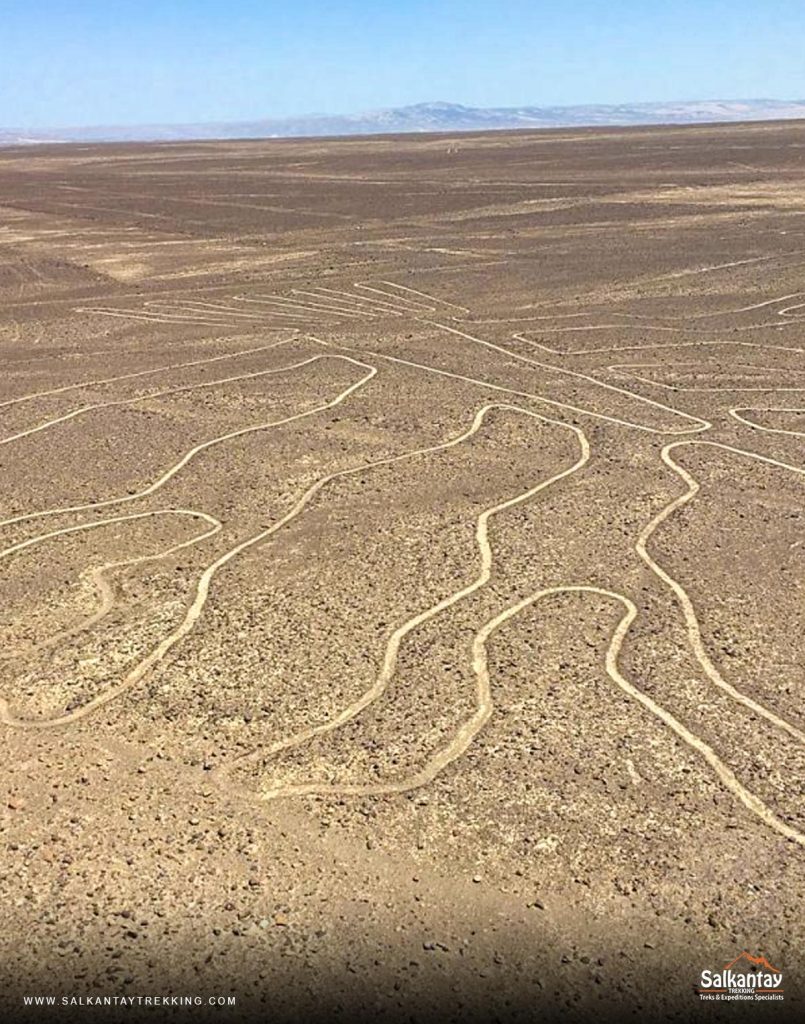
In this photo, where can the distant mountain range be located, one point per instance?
(427, 117)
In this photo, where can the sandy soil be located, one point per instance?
(401, 573)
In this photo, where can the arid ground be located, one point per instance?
(402, 605)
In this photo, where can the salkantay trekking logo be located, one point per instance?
(749, 978)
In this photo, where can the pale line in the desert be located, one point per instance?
(425, 295)
(625, 371)
(468, 731)
(97, 576)
(650, 347)
(509, 391)
(145, 317)
(202, 589)
(688, 316)
(145, 373)
(197, 449)
(290, 306)
(387, 308)
(688, 611)
(640, 547)
(736, 414)
(640, 399)
(330, 303)
(211, 309)
(121, 402)
(390, 657)
(410, 305)
(308, 306)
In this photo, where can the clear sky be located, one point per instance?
(80, 62)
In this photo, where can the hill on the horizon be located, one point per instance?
(427, 117)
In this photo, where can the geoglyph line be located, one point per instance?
(641, 326)
(97, 576)
(204, 445)
(625, 370)
(141, 373)
(514, 391)
(202, 589)
(663, 322)
(468, 731)
(326, 302)
(738, 410)
(709, 314)
(701, 424)
(82, 410)
(389, 664)
(143, 316)
(686, 605)
(424, 295)
(643, 348)
(311, 306)
(682, 597)
(596, 298)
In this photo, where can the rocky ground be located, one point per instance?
(401, 574)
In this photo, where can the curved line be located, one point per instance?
(389, 664)
(648, 348)
(141, 373)
(140, 398)
(736, 414)
(97, 575)
(484, 706)
(702, 424)
(624, 370)
(202, 589)
(173, 470)
(684, 601)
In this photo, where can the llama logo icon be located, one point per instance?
(746, 978)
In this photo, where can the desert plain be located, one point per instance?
(402, 605)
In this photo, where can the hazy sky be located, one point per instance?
(75, 62)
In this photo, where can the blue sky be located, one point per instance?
(74, 62)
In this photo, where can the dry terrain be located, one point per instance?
(401, 591)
